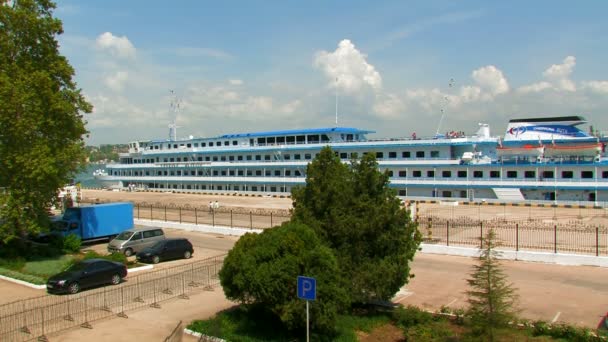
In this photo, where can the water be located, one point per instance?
(86, 178)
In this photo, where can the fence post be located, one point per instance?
(481, 233)
(213, 218)
(122, 304)
(195, 217)
(165, 213)
(271, 219)
(517, 237)
(86, 323)
(555, 239)
(137, 210)
(447, 235)
(250, 220)
(230, 218)
(42, 337)
(597, 241)
(180, 214)
(151, 214)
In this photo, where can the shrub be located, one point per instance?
(71, 244)
(14, 264)
(117, 257)
(411, 316)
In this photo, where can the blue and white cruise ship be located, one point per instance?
(548, 158)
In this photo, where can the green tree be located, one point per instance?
(492, 299)
(261, 270)
(355, 213)
(41, 123)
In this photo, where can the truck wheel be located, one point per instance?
(187, 255)
(73, 288)
(115, 279)
(155, 259)
(128, 252)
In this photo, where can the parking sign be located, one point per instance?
(307, 288)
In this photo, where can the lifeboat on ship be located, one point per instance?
(527, 150)
(580, 150)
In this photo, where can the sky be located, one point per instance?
(394, 67)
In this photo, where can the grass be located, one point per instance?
(46, 267)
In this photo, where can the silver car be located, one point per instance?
(132, 241)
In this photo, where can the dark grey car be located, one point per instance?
(165, 250)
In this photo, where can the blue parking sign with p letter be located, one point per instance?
(307, 288)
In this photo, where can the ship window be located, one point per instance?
(159, 173)
(277, 172)
(402, 192)
(207, 158)
(179, 159)
(313, 138)
(494, 174)
(219, 187)
(604, 174)
(174, 145)
(258, 172)
(239, 157)
(446, 194)
(287, 173)
(192, 173)
(169, 146)
(249, 157)
(261, 141)
(463, 193)
(567, 174)
(226, 143)
(234, 142)
(419, 154)
(273, 189)
(434, 154)
(200, 172)
(231, 158)
(195, 144)
(216, 173)
(270, 140)
(343, 155)
(254, 188)
(172, 160)
(349, 137)
(179, 173)
(446, 174)
(511, 174)
(164, 173)
(390, 173)
(267, 157)
(392, 155)
(172, 173)
(249, 173)
(324, 138)
(379, 155)
(223, 158)
(430, 173)
(530, 174)
(287, 156)
(199, 159)
(406, 154)
(586, 174)
(165, 160)
(214, 158)
(296, 157)
(258, 157)
(462, 174)
(300, 139)
(189, 145)
(203, 144)
(231, 173)
(402, 173)
(417, 174)
(223, 172)
(548, 174)
(307, 156)
(240, 172)
(297, 173)
(211, 144)
(280, 140)
(290, 139)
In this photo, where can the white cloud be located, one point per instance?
(492, 79)
(389, 105)
(203, 52)
(116, 81)
(535, 87)
(557, 78)
(596, 86)
(349, 66)
(236, 82)
(560, 71)
(117, 46)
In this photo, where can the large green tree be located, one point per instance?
(262, 270)
(41, 122)
(355, 213)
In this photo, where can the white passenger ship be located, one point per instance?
(548, 159)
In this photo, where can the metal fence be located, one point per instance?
(177, 333)
(34, 318)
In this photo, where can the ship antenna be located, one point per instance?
(175, 106)
(336, 102)
(447, 100)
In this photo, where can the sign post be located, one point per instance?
(307, 290)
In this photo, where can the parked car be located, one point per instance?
(87, 273)
(165, 250)
(134, 240)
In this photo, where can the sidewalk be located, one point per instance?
(149, 324)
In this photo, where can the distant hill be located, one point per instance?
(105, 153)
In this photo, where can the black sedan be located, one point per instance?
(87, 273)
(166, 249)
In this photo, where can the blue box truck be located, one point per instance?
(98, 221)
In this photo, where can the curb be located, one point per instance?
(24, 283)
(140, 268)
(207, 337)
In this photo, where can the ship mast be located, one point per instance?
(447, 100)
(336, 102)
(175, 105)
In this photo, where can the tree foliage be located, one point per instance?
(261, 270)
(492, 298)
(355, 213)
(41, 123)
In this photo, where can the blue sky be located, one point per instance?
(260, 65)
